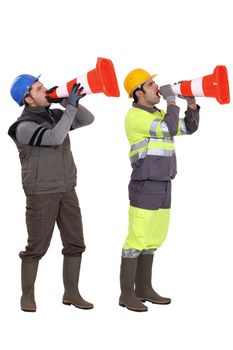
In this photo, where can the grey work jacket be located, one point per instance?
(45, 169)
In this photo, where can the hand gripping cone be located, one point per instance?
(213, 85)
(101, 79)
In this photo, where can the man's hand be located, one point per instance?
(53, 100)
(75, 95)
(191, 101)
(167, 93)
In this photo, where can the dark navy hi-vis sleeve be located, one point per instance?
(191, 120)
(30, 133)
(172, 119)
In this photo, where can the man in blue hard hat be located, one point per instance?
(41, 135)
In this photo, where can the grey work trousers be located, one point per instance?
(42, 212)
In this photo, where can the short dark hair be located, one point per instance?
(28, 94)
(139, 88)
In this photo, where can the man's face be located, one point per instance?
(37, 96)
(150, 95)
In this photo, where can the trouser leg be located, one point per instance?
(70, 225)
(41, 214)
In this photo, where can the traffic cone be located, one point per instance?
(213, 85)
(101, 79)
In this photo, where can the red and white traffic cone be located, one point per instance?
(101, 79)
(213, 85)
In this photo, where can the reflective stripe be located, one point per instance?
(159, 128)
(137, 156)
(165, 129)
(152, 152)
(139, 145)
(143, 143)
(152, 146)
(164, 140)
(130, 253)
(160, 152)
(182, 130)
(153, 127)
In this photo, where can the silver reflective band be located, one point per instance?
(165, 129)
(163, 126)
(183, 127)
(137, 156)
(152, 152)
(148, 251)
(130, 253)
(160, 152)
(153, 127)
(145, 142)
(166, 140)
(139, 145)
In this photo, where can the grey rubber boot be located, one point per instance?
(144, 290)
(28, 277)
(127, 279)
(71, 270)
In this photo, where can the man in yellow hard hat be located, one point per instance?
(150, 132)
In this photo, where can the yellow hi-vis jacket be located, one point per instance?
(151, 132)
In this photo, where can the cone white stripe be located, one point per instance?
(196, 87)
(176, 89)
(84, 82)
(62, 91)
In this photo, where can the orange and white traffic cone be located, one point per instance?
(101, 79)
(213, 85)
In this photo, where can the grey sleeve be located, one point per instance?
(83, 117)
(35, 135)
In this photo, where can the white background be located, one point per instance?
(178, 40)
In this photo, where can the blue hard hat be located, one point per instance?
(20, 86)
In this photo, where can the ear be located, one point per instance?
(28, 99)
(139, 93)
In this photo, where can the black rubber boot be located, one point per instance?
(144, 290)
(28, 277)
(71, 269)
(127, 278)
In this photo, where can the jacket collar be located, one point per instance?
(36, 109)
(144, 108)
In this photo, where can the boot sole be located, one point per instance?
(143, 300)
(133, 309)
(28, 310)
(78, 306)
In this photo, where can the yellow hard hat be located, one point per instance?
(136, 78)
